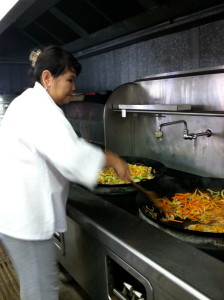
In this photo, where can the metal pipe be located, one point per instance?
(174, 122)
(192, 136)
(159, 133)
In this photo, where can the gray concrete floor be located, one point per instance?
(69, 289)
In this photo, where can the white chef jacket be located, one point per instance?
(40, 154)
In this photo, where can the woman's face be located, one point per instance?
(62, 87)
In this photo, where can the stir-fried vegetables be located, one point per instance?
(205, 209)
(138, 172)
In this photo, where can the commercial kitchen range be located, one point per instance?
(114, 251)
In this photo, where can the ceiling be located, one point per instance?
(87, 27)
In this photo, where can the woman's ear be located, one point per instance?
(46, 79)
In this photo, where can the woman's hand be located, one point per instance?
(118, 164)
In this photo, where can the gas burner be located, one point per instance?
(211, 245)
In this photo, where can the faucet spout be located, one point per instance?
(186, 134)
(159, 133)
(174, 122)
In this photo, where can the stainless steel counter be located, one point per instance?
(101, 234)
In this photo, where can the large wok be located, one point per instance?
(123, 195)
(168, 187)
(157, 167)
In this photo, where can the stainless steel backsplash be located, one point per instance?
(134, 134)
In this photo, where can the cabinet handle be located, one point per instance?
(60, 243)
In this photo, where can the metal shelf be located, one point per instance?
(157, 112)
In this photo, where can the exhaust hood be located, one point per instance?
(88, 27)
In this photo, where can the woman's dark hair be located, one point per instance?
(54, 59)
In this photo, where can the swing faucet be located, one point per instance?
(186, 134)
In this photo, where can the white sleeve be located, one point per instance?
(76, 159)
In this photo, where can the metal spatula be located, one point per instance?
(151, 195)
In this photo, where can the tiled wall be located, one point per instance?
(14, 63)
(190, 49)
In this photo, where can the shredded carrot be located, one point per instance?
(206, 209)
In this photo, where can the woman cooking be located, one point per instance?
(39, 155)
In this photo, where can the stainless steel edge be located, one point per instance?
(175, 269)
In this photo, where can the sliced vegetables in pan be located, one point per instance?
(137, 171)
(204, 209)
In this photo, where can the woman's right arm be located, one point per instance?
(118, 164)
